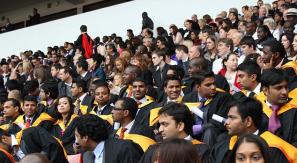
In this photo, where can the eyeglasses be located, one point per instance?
(114, 108)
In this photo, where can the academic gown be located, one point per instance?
(220, 82)
(38, 140)
(212, 130)
(288, 119)
(137, 129)
(278, 148)
(6, 157)
(66, 133)
(203, 152)
(117, 151)
(142, 116)
(43, 120)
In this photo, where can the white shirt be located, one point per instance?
(84, 74)
(129, 126)
(189, 138)
(82, 97)
(98, 152)
(256, 132)
(256, 90)
(100, 110)
(241, 59)
(217, 65)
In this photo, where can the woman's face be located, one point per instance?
(285, 42)
(222, 33)
(107, 60)
(232, 62)
(193, 36)
(20, 69)
(63, 105)
(249, 152)
(295, 43)
(119, 66)
(210, 44)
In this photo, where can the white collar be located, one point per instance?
(101, 108)
(256, 90)
(98, 151)
(84, 74)
(256, 132)
(129, 126)
(143, 100)
(82, 97)
(189, 138)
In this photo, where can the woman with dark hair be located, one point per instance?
(250, 148)
(176, 150)
(175, 34)
(255, 57)
(211, 46)
(287, 40)
(66, 123)
(229, 71)
(94, 66)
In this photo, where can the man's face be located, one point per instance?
(55, 59)
(42, 95)
(62, 75)
(9, 110)
(207, 88)
(267, 54)
(30, 108)
(250, 28)
(277, 94)
(102, 95)
(193, 69)
(82, 141)
(172, 89)
(92, 89)
(75, 90)
(246, 50)
(5, 69)
(54, 72)
(288, 28)
(234, 123)
(128, 76)
(178, 54)
(245, 80)
(139, 89)
(118, 113)
(156, 59)
(223, 49)
(78, 69)
(168, 127)
(35, 62)
(261, 33)
(193, 52)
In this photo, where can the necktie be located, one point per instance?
(28, 122)
(274, 122)
(122, 133)
(77, 107)
(252, 94)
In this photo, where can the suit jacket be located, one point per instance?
(158, 80)
(117, 151)
(87, 77)
(64, 89)
(106, 110)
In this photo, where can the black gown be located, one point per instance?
(117, 151)
(38, 140)
(66, 133)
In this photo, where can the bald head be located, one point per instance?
(194, 52)
(35, 158)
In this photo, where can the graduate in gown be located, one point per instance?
(92, 135)
(280, 113)
(244, 117)
(38, 140)
(210, 101)
(176, 121)
(66, 123)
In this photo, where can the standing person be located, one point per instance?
(35, 19)
(84, 41)
(147, 22)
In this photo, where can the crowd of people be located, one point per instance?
(219, 90)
